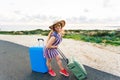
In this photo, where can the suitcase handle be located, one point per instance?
(64, 57)
(40, 39)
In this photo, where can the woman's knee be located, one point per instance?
(48, 60)
(58, 58)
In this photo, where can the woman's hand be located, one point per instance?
(54, 46)
(50, 42)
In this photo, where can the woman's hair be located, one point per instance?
(49, 34)
(54, 29)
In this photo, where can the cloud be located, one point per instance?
(86, 10)
(74, 12)
(17, 12)
(37, 18)
(106, 3)
(33, 17)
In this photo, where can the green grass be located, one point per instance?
(72, 36)
(111, 37)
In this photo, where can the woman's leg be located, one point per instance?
(59, 62)
(50, 71)
(62, 70)
(49, 64)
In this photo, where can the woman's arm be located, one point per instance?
(50, 42)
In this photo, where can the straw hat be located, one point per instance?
(61, 22)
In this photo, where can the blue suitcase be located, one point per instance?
(37, 59)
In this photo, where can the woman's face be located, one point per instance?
(58, 27)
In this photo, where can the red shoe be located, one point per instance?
(64, 72)
(52, 73)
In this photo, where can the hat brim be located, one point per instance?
(62, 22)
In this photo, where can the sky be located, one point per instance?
(42, 12)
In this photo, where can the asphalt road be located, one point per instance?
(15, 65)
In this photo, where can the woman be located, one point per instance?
(54, 39)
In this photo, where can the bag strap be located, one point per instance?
(64, 57)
